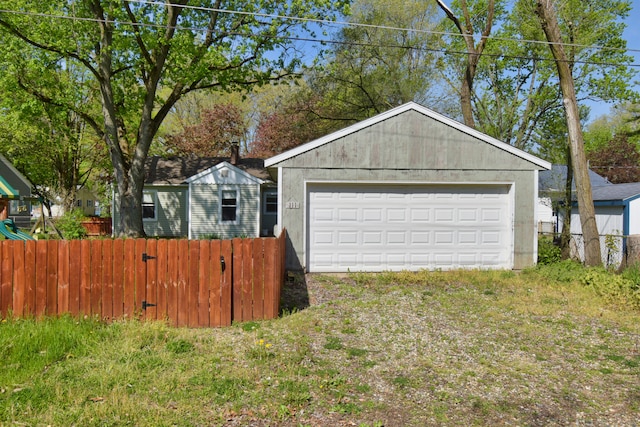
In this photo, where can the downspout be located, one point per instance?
(279, 216)
(189, 235)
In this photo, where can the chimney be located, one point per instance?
(235, 153)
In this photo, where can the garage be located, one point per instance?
(407, 189)
(408, 227)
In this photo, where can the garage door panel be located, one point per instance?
(374, 228)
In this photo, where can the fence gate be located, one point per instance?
(186, 282)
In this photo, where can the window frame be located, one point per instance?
(221, 193)
(154, 202)
(265, 203)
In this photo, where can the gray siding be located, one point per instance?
(205, 212)
(410, 140)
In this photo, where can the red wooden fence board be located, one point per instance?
(194, 283)
(215, 284)
(19, 292)
(172, 282)
(74, 277)
(258, 278)
(6, 285)
(63, 277)
(141, 275)
(129, 278)
(247, 282)
(226, 290)
(96, 278)
(161, 280)
(269, 275)
(118, 278)
(41, 277)
(84, 305)
(150, 293)
(107, 279)
(185, 279)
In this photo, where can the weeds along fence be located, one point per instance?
(613, 247)
(193, 283)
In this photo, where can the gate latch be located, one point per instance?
(146, 257)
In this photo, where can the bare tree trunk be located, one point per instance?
(547, 16)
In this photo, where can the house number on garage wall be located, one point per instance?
(293, 205)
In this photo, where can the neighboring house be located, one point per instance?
(16, 189)
(617, 208)
(217, 197)
(86, 200)
(551, 194)
(407, 189)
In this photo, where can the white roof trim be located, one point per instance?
(394, 112)
(224, 164)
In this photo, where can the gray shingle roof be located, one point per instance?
(176, 170)
(554, 179)
(616, 191)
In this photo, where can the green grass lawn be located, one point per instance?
(407, 349)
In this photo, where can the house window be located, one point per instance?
(17, 207)
(89, 203)
(229, 205)
(270, 203)
(149, 206)
(79, 203)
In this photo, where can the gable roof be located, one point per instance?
(177, 170)
(543, 164)
(14, 172)
(554, 179)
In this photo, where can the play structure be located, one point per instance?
(9, 230)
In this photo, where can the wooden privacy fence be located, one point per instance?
(194, 283)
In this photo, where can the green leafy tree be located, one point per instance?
(517, 88)
(127, 51)
(49, 144)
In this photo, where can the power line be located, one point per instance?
(330, 41)
(381, 27)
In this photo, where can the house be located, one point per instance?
(617, 209)
(15, 191)
(216, 197)
(551, 193)
(407, 189)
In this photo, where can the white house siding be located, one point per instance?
(609, 220)
(205, 212)
(610, 223)
(634, 217)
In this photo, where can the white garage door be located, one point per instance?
(380, 228)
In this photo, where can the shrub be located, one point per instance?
(615, 288)
(548, 252)
(70, 225)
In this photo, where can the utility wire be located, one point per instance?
(330, 41)
(381, 27)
